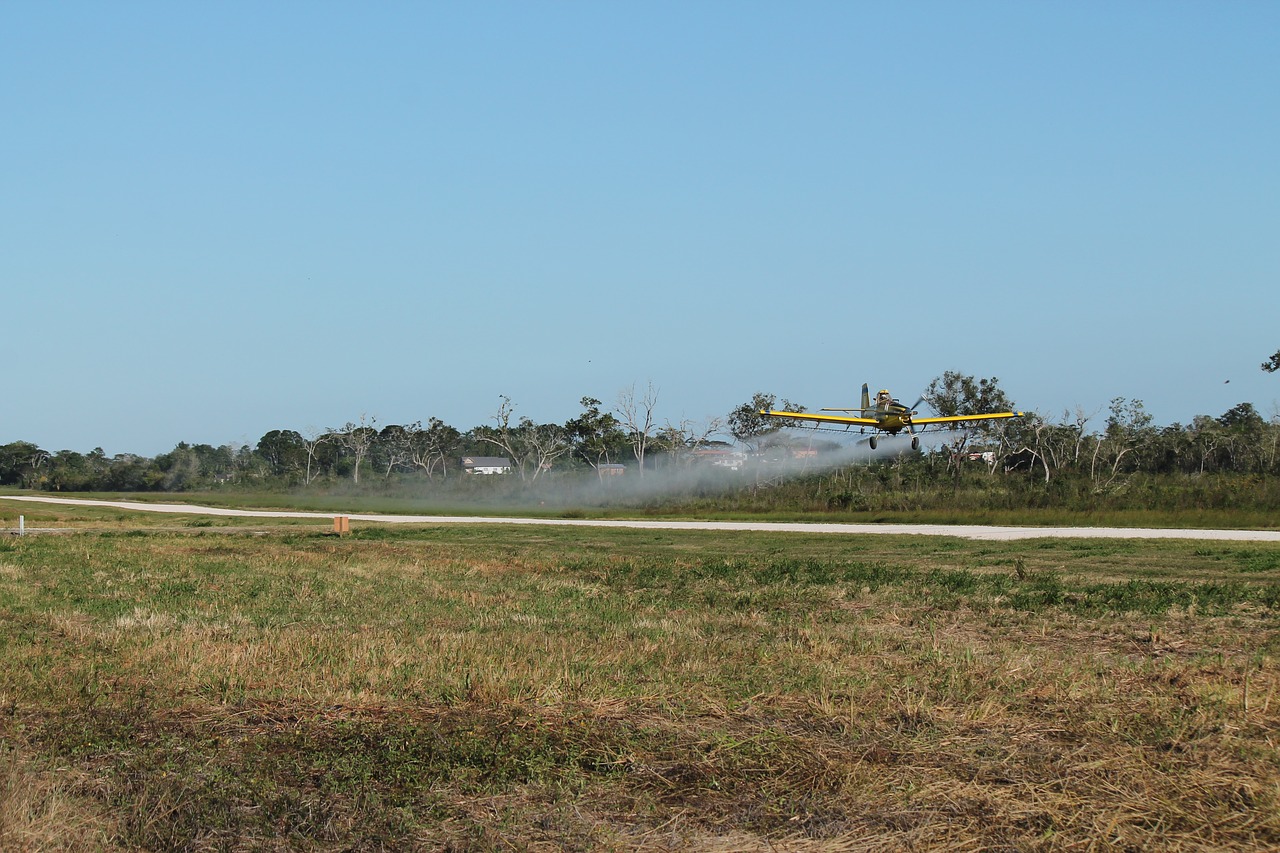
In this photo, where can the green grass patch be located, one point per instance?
(420, 687)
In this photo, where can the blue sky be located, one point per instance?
(220, 219)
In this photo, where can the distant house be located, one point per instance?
(726, 457)
(610, 469)
(486, 465)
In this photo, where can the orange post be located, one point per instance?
(341, 524)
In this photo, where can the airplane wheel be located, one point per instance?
(915, 443)
(872, 442)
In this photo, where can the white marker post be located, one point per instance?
(22, 525)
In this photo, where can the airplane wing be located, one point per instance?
(955, 419)
(844, 420)
(847, 420)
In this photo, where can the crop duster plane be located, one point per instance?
(887, 415)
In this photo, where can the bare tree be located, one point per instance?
(1206, 434)
(505, 436)
(682, 440)
(544, 444)
(430, 448)
(395, 446)
(311, 443)
(1052, 445)
(357, 438)
(1078, 424)
(1128, 428)
(1039, 430)
(637, 416)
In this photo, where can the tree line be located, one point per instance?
(1101, 448)
(362, 450)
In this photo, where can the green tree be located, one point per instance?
(1244, 436)
(20, 464)
(751, 428)
(69, 472)
(129, 473)
(1243, 417)
(284, 451)
(1272, 364)
(596, 436)
(954, 393)
(179, 469)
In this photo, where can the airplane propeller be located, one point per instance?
(911, 427)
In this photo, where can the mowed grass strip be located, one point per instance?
(535, 688)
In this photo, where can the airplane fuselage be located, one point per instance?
(891, 416)
(893, 422)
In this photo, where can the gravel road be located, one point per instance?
(965, 531)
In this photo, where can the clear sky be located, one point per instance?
(219, 219)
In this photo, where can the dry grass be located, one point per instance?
(41, 811)
(536, 690)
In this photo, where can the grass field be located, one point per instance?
(190, 683)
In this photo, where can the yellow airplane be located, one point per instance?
(887, 415)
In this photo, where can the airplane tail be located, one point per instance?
(866, 399)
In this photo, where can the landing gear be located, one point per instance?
(872, 442)
(915, 442)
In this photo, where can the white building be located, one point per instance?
(486, 465)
